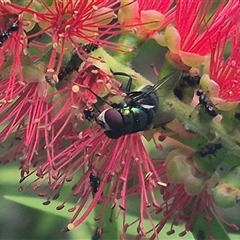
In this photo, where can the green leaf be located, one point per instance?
(37, 203)
(204, 229)
(110, 230)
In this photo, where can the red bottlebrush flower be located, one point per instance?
(50, 114)
(145, 18)
(160, 6)
(189, 39)
(187, 195)
(77, 22)
(115, 163)
(225, 70)
(12, 51)
(30, 107)
(43, 96)
(181, 207)
(40, 120)
(70, 24)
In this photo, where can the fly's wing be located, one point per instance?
(166, 83)
(151, 97)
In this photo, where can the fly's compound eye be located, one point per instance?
(113, 119)
(110, 119)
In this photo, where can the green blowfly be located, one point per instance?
(138, 111)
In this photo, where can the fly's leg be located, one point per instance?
(89, 114)
(129, 83)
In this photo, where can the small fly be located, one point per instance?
(137, 112)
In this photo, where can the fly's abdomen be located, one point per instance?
(137, 119)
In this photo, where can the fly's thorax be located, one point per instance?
(137, 118)
(147, 88)
(151, 98)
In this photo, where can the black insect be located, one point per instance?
(94, 183)
(88, 48)
(75, 61)
(237, 115)
(137, 112)
(90, 114)
(50, 81)
(192, 81)
(186, 82)
(207, 103)
(209, 150)
(6, 35)
(73, 64)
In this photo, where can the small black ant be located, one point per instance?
(207, 103)
(73, 64)
(186, 82)
(211, 149)
(94, 183)
(6, 35)
(90, 114)
(75, 61)
(88, 48)
(191, 81)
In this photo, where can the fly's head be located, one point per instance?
(112, 122)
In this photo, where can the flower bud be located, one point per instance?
(227, 193)
(177, 167)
